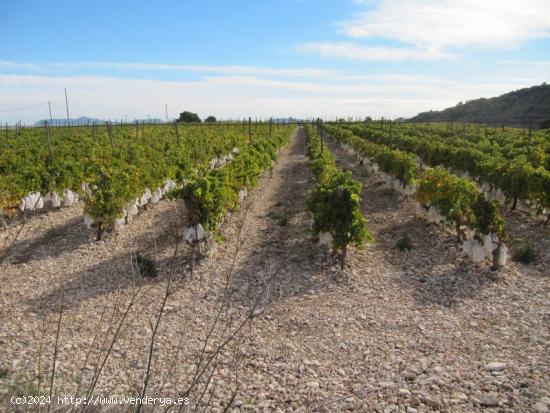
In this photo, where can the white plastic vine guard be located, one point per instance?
(478, 253)
(326, 239)
(420, 210)
(33, 201)
(410, 190)
(154, 198)
(55, 200)
(498, 195)
(398, 185)
(485, 187)
(193, 233)
(68, 198)
(468, 247)
(119, 222)
(88, 221)
(489, 244)
(503, 256)
(433, 215)
(242, 194)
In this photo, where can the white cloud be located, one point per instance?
(444, 24)
(16, 65)
(235, 70)
(357, 52)
(234, 96)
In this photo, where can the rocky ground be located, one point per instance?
(415, 331)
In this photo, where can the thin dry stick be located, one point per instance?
(119, 330)
(110, 325)
(226, 289)
(56, 348)
(92, 345)
(187, 320)
(224, 298)
(155, 330)
(199, 372)
(206, 385)
(329, 402)
(248, 318)
(40, 360)
(115, 337)
(182, 335)
(237, 384)
(207, 404)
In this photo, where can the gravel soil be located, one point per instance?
(414, 331)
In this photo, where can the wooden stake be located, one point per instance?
(249, 130)
(49, 140)
(177, 132)
(110, 130)
(50, 108)
(67, 106)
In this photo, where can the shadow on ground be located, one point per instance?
(431, 270)
(52, 243)
(120, 271)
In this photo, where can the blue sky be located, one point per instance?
(265, 58)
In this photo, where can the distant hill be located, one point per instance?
(513, 109)
(84, 120)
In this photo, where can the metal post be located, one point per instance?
(49, 139)
(270, 127)
(67, 106)
(50, 108)
(177, 132)
(110, 130)
(249, 130)
(321, 136)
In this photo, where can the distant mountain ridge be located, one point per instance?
(84, 120)
(513, 109)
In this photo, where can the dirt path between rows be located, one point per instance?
(395, 332)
